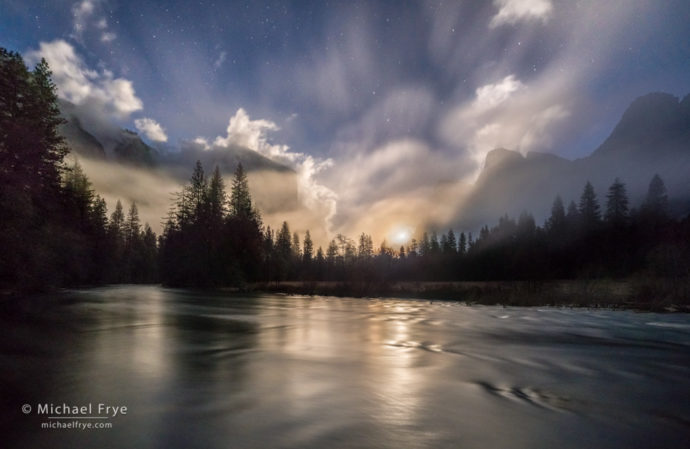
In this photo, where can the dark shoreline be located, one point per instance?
(654, 295)
(638, 294)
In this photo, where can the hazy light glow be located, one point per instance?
(400, 234)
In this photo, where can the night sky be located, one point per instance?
(368, 100)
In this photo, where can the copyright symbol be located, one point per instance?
(26, 408)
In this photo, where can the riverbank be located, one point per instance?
(659, 295)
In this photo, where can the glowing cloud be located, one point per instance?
(79, 84)
(245, 132)
(151, 129)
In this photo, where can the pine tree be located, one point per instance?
(434, 246)
(99, 215)
(556, 223)
(589, 210)
(452, 244)
(424, 245)
(240, 199)
(526, 225)
(31, 148)
(197, 192)
(413, 250)
(332, 252)
(308, 249)
(462, 244)
(296, 246)
(443, 244)
(77, 191)
(217, 198)
(617, 204)
(283, 245)
(284, 251)
(132, 227)
(656, 202)
(365, 249)
(117, 222)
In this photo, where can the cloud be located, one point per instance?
(492, 95)
(108, 36)
(83, 14)
(253, 134)
(507, 114)
(220, 60)
(79, 84)
(245, 132)
(513, 11)
(151, 129)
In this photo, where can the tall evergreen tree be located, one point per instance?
(557, 221)
(308, 249)
(452, 244)
(617, 204)
(283, 244)
(332, 252)
(132, 226)
(197, 192)
(434, 246)
(78, 192)
(656, 202)
(217, 198)
(424, 245)
(462, 244)
(413, 250)
(296, 253)
(116, 226)
(240, 199)
(365, 249)
(589, 209)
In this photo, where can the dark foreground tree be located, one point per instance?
(53, 227)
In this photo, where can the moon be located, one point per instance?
(400, 234)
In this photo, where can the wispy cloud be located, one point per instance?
(81, 13)
(513, 11)
(220, 60)
(86, 15)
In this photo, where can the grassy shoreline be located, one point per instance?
(659, 295)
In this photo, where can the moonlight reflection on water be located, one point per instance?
(207, 370)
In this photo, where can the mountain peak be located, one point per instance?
(651, 118)
(657, 106)
(500, 156)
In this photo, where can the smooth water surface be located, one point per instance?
(207, 370)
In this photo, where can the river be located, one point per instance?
(207, 370)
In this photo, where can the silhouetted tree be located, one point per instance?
(617, 204)
(556, 223)
(589, 209)
(308, 249)
(365, 250)
(240, 199)
(462, 244)
(656, 202)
